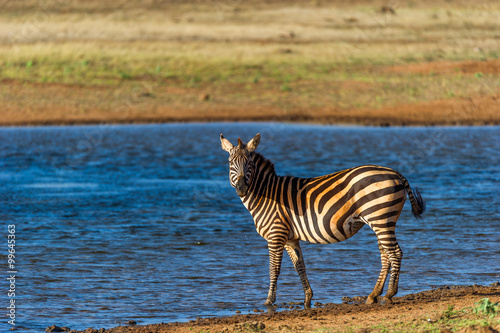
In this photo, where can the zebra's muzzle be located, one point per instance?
(241, 187)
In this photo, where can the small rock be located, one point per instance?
(255, 325)
(131, 322)
(145, 94)
(91, 330)
(237, 311)
(250, 326)
(204, 97)
(55, 328)
(478, 329)
(289, 34)
(387, 10)
(260, 325)
(350, 20)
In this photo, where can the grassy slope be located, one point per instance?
(306, 55)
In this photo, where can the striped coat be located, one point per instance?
(323, 210)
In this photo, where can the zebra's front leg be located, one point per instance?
(275, 256)
(295, 253)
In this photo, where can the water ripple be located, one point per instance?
(144, 225)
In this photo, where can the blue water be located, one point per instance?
(139, 222)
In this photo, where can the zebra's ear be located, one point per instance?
(252, 144)
(226, 145)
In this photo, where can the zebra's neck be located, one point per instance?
(264, 176)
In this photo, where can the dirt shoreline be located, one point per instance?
(443, 309)
(478, 110)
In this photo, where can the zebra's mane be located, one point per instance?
(263, 163)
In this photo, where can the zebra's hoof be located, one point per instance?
(386, 301)
(307, 301)
(371, 300)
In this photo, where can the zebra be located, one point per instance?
(322, 210)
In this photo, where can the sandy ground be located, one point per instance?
(421, 312)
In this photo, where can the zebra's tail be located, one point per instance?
(417, 203)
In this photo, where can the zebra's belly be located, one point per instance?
(326, 233)
(352, 225)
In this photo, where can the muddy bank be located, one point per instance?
(448, 308)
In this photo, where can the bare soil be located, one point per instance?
(423, 311)
(491, 66)
(59, 104)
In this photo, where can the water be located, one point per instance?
(139, 222)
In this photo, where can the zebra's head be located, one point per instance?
(241, 165)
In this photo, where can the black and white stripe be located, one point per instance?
(326, 209)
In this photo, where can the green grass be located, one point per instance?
(222, 62)
(486, 307)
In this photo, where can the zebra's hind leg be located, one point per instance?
(387, 243)
(295, 253)
(395, 256)
(379, 287)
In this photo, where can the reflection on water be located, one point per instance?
(140, 222)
